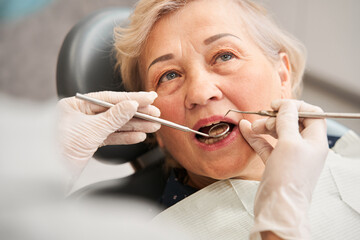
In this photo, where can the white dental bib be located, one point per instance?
(224, 210)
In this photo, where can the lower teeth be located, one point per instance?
(209, 141)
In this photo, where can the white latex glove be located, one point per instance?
(292, 168)
(84, 127)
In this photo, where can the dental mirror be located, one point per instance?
(219, 130)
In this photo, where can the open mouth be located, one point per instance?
(219, 130)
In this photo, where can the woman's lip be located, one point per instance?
(212, 147)
(216, 118)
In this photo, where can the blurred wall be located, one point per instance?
(29, 46)
(331, 33)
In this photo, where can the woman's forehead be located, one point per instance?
(203, 14)
(198, 22)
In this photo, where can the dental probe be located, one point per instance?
(301, 114)
(154, 119)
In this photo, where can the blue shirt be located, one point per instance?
(175, 191)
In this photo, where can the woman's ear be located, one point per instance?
(284, 71)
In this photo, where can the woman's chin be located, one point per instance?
(227, 168)
(242, 165)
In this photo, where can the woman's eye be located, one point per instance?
(168, 76)
(224, 57)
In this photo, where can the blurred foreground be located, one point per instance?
(33, 184)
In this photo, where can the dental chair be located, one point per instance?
(86, 64)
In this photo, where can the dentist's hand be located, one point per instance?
(292, 168)
(84, 127)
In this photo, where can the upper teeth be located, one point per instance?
(208, 125)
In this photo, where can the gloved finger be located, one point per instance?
(287, 125)
(306, 107)
(256, 141)
(142, 98)
(124, 138)
(118, 116)
(312, 128)
(139, 125)
(265, 126)
(67, 105)
(150, 110)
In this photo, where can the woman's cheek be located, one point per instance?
(169, 107)
(253, 91)
(167, 137)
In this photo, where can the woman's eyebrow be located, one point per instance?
(218, 36)
(206, 42)
(162, 58)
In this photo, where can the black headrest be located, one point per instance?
(86, 59)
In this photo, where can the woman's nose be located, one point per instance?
(201, 89)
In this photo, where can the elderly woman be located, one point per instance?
(196, 59)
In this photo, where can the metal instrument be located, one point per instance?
(167, 123)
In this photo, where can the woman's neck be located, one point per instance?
(198, 182)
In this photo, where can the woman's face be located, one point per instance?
(202, 63)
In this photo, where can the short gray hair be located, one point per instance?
(130, 41)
